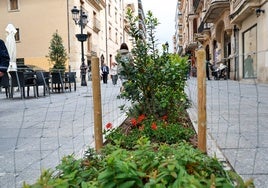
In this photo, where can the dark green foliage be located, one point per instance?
(155, 82)
(158, 131)
(151, 149)
(147, 165)
(57, 54)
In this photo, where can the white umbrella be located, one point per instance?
(11, 46)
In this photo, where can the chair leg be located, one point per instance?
(22, 92)
(37, 91)
(28, 91)
(47, 88)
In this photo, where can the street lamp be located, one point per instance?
(80, 18)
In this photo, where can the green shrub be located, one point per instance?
(155, 82)
(147, 165)
(151, 149)
(159, 131)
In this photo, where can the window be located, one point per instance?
(89, 43)
(116, 40)
(109, 10)
(115, 16)
(17, 35)
(110, 33)
(13, 4)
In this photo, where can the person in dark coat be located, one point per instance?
(105, 72)
(4, 59)
(208, 64)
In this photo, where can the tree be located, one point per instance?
(155, 84)
(57, 53)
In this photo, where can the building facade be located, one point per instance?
(36, 21)
(230, 31)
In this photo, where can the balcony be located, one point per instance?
(215, 9)
(197, 4)
(96, 25)
(92, 51)
(98, 4)
(204, 28)
(241, 9)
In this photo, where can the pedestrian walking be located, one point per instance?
(105, 72)
(113, 73)
(208, 64)
(125, 60)
(4, 59)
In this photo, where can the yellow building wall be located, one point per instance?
(36, 23)
(40, 63)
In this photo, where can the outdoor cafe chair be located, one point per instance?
(5, 84)
(43, 79)
(70, 77)
(23, 80)
(57, 82)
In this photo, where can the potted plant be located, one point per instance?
(57, 53)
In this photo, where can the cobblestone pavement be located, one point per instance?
(35, 133)
(237, 123)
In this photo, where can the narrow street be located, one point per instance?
(35, 133)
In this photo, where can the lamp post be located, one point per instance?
(80, 18)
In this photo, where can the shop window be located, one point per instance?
(250, 53)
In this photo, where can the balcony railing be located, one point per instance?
(237, 3)
(203, 26)
(214, 9)
(243, 8)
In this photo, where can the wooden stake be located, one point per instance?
(202, 112)
(97, 103)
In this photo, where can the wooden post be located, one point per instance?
(202, 112)
(97, 103)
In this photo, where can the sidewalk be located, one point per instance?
(237, 124)
(35, 133)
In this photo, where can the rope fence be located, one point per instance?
(35, 133)
(237, 116)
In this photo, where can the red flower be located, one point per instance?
(154, 126)
(141, 118)
(109, 126)
(133, 122)
(165, 117)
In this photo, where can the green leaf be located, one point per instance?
(126, 184)
(105, 175)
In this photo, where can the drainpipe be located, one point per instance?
(68, 26)
(123, 24)
(106, 38)
(236, 57)
(68, 33)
